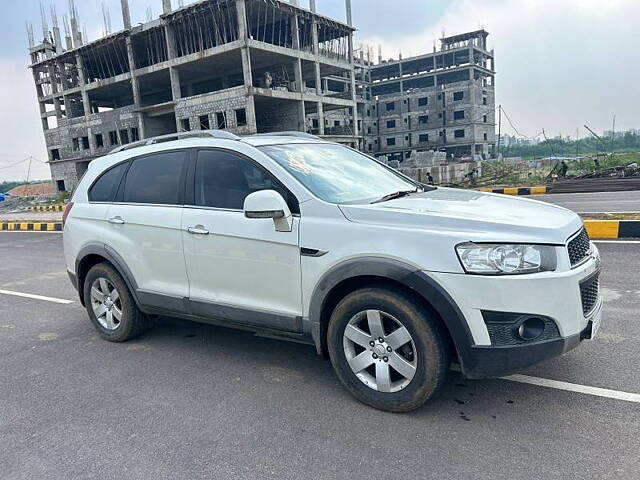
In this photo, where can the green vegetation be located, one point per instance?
(571, 148)
(6, 186)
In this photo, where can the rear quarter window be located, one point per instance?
(105, 187)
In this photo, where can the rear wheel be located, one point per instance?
(387, 349)
(110, 305)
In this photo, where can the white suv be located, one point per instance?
(306, 239)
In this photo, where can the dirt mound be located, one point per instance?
(32, 190)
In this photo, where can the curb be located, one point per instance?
(518, 190)
(47, 208)
(598, 229)
(31, 226)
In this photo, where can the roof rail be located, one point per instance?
(289, 133)
(177, 136)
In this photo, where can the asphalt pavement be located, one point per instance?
(193, 401)
(598, 202)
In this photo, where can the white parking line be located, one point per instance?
(574, 387)
(36, 297)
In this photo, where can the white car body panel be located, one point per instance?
(242, 262)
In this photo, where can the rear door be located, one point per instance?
(240, 269)
(145, 227)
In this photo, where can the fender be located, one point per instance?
(115, 259)
(405, 274)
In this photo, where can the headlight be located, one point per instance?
(506, 259)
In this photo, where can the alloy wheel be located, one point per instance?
(380, 351)
(106, 303)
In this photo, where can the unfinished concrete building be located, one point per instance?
(249, 66)
(441, 101)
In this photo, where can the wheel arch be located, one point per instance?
(353, 274)
(95, 253)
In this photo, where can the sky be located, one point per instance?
(560, 63)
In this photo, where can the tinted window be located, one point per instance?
(223, 180)
(104, 189)
(155, 179)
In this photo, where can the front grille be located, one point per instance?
(589, 289)
(579, 247)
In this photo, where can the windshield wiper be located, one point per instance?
(399, 194)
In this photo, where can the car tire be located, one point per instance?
(110, 305)
(396, 370)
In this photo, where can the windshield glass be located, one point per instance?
(336, 173)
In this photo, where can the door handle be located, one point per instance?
(117, 220)
(198, 230)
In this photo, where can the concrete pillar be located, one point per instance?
(250, 109)
(312, 5)
(349, 17)
(83, 90)
(302, 117)
(320, 118)
(243, 37)
(295, 33)
(241, 11)
(297, 71)
(58, 39)
(246, 68)
(174, 75)
(126, 14)
(166, 6)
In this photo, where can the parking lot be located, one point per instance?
(193, 401)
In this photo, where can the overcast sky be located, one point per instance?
(560, 63)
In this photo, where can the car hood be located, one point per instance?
(472, 215)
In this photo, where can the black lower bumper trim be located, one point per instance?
(496, 361)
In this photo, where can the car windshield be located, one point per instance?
(337, 174)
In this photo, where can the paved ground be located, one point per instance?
(195, 401)
(595, 202)
(34, 216)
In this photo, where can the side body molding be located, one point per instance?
(407, 275)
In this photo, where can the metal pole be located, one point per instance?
(29, 169)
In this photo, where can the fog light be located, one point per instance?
(531, 328)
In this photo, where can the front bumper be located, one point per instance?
(496, 361)
(555, 295)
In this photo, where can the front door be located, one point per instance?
(240, 269)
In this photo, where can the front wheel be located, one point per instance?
(387, 349)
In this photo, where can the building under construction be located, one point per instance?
(253, 66)
(440, 101)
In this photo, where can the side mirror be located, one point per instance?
(269, 204)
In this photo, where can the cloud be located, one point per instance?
(560, 64)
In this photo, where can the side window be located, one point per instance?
(104, 189)
(155, 179)
(224, 179)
